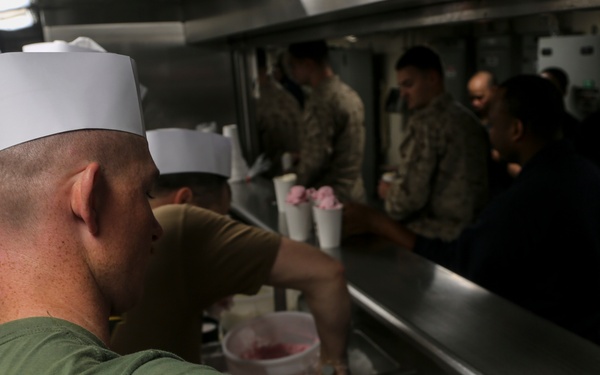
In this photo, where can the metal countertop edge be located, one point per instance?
(379, 312)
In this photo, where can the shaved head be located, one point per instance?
(29, 172)
(484, 78)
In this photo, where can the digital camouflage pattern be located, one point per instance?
(332, 140)
(442, 182)
(278, 118)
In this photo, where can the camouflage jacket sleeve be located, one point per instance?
(315, 143)
(332, 140)
(411, 190)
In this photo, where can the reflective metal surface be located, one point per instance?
(238, 18)
(263, 21)
(410, 16)
(463, 327)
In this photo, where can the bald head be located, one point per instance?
(482, 87)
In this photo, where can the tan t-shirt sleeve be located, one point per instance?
(224, 257)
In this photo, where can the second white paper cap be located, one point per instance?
(190, 151)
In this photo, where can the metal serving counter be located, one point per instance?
(462, 327)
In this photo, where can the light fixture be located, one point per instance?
(14, 4)
(11, 20)
(351, 39)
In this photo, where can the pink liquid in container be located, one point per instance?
(279, 343)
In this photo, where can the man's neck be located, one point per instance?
(320, 75)
(263, 78)
(531, 149)
(48, 288)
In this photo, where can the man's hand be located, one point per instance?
(383, 188)
(359, 219)
(355, 219)
(332, 368)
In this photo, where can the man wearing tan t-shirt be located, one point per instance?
(204, 256)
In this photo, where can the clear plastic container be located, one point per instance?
(247, 307)
(274, 330)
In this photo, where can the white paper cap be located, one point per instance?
(42, 94)
(190, 151)
(81, 44)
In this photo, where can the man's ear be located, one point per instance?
(84, 196)
(433, 77)
(183, 195)
(517, 130)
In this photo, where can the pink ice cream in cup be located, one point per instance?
(329, 203)
(327, 214)
(322, 193)
(297, 195)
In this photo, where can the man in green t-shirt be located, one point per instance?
(75, 222)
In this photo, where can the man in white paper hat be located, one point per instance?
(75, 222)
(204, 257)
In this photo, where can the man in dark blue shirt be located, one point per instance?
(537, 244)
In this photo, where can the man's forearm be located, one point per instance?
(322, 281)
(384, 226)
(329, 302)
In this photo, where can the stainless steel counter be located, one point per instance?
(461, 326)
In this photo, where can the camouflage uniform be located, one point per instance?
(278, 118)
(442, 177)
(332, 140)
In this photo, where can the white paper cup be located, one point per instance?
(283, 184)
(299, 220)
(282, 224)
(329, 226)
(388, 177)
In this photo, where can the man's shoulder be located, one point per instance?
(44, 345)
(448, 114)
(276, 98)
(170, 211)
(459, 113)
(339, 91)
(563, 173)
(183, 219)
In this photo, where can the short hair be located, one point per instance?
(536, 102)
(28, 169)
(422, 58)
(560, 76)
(316, 50)
(207, 187)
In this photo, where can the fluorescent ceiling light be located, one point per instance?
(14, 4)
(11, 20)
